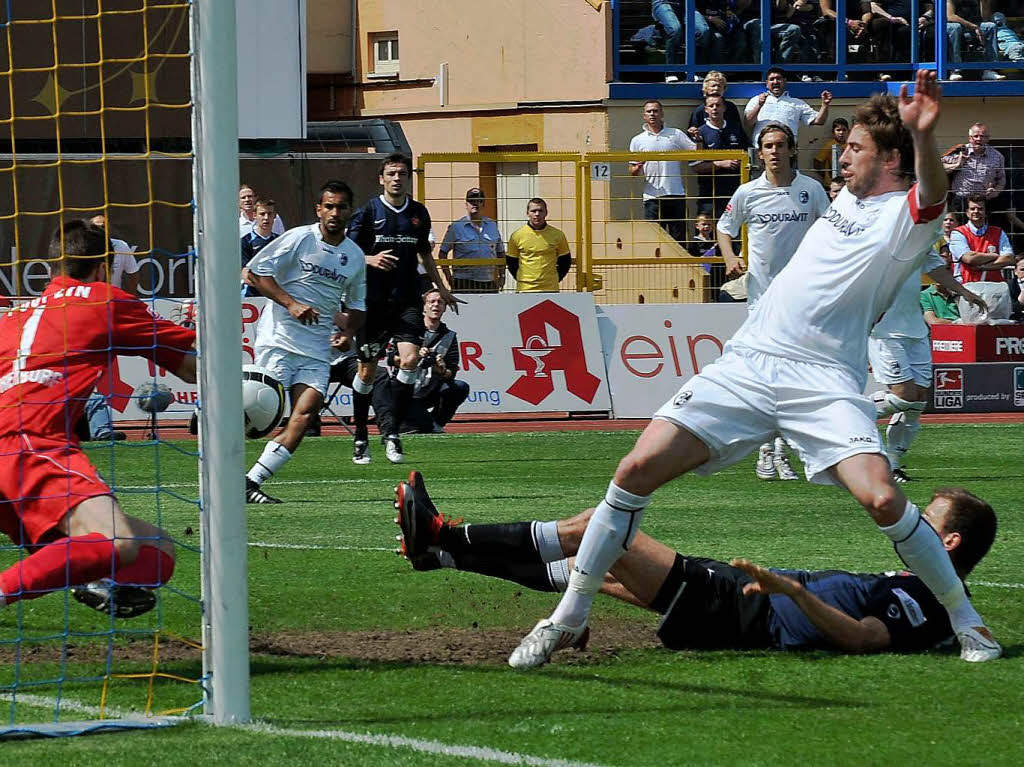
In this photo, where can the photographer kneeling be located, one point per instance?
(436, 394)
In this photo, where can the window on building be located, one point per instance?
(385, 53)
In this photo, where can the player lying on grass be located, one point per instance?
(709, 604)
(53, 349)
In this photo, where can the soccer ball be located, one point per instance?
(262, 401)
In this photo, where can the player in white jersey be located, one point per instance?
(778, 208)
(308, 272)
(900, 354)
(798, 366)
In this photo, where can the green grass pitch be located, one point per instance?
(349, 641)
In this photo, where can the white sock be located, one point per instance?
(274, 456)
(919, 547)
(558, 575)
(899, 435)
(3, 601)
(610, 531)
(779, 448)
(545, 538)
(407, 377)
(360, 386)
(882, 404)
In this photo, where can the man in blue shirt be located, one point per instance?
(707, 604)
(474, 236)
(259, 237)
(718, 179)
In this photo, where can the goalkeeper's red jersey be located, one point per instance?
(54, 348)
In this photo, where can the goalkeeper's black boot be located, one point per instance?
(119, 600)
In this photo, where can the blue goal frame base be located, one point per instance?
(88, 727)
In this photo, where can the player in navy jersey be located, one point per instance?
(393, 231)
(708, 604)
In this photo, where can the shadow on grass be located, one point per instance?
(704, 695)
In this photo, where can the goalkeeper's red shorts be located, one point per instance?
(41, 480)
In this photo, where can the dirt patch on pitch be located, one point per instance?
(446, 646)
(441, 645)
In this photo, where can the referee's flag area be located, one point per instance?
(357, 659)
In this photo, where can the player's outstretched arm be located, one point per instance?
(843, 630)
(920, 115)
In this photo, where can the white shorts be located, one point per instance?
(290, 368)
(745, 398)
(898, 360)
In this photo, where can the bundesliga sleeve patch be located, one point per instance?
(915, 615)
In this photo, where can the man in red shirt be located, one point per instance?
(52, 500)
(982, 250)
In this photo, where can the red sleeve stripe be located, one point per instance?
(921, 215)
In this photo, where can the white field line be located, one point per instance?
(316, 547)
(480, 753)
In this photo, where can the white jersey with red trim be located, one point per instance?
(841, 280)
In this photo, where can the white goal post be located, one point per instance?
(221, 447)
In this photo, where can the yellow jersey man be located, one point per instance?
(538, 254)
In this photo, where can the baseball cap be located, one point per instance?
(474, 194)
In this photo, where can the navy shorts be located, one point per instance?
(711, 612)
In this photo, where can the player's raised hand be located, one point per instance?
(307, 315)
(920, 112)
(765, 581)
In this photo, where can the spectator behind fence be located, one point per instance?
(939, 305)
(124, 274)
(247, 212)
(718, 179)
(474, 236)
(950, 221)
(1016, 282)
(538, 254)
(261, 234)
(666, 13)
(1009, 43)
(975, 168)
(968, 21)
(791, 33)
(715, 85)
(895, 46)
(438, 393)
(835, 186)
(776, 105)
(664, 194)
(718, 32)
(983, 250)
(704, 245)
(826, 161)
(863, 27)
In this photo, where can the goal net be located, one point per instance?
(96, 102)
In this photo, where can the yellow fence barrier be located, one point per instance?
(625, 249)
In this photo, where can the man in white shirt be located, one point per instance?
(776, 105)
(308, 273)
(798, 366)
(664, 193)
(900, 354)
(247, 212)
(777, 208)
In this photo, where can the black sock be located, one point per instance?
(512, 542)
(360, 414)
(533, 575)
(401, 396)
